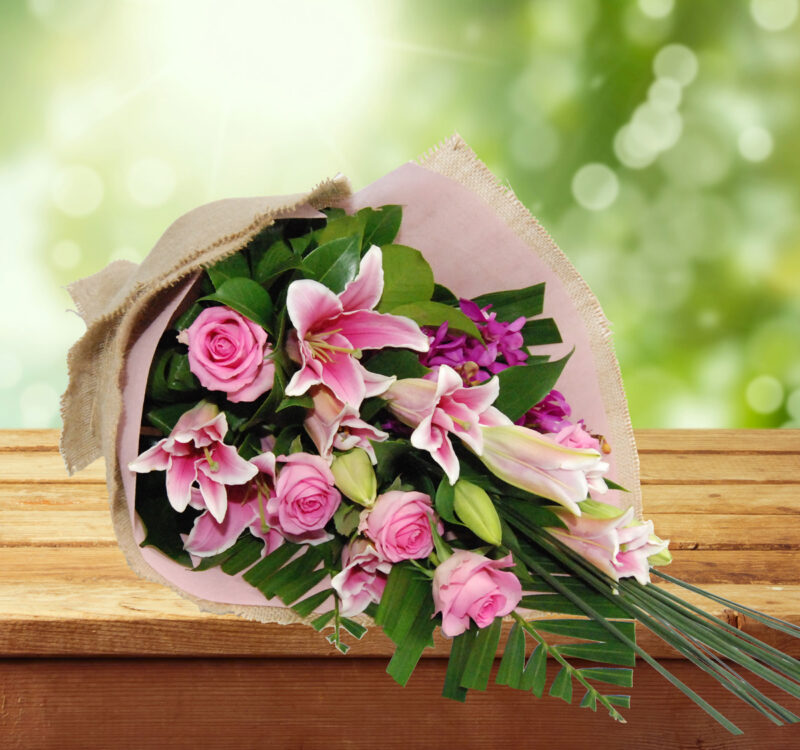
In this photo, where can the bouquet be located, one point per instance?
(333, 416)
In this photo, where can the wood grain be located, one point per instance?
(231, 704)
(734, 524)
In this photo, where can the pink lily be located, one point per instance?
(435, 408)
(334, 424)
(618, 545)
(246, 510)
(194, 453)
(539, 464)
(332, 329)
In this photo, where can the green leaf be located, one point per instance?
(589, 700)
(351, 626)
(418, 638)
(180, 376)
(614, 486)
(399, 362)
(247, 297)
(260, 573)
(304, 402)
(540, 331)
(245, 551)
(609, 653)
(481, 656)
(405, 591)
(370, 407)
(235, 266)
(611, 675)
(335, 263)
(562, 686)
(524, 386)
(321, 621)
(511, 304)
(513, 662)
(346, 519)
(390, 455)
(457, 661)
(166, 417)
(443, 294)
(407, 277)
(381, 225)
(436, 313)
(277, 260)
(306, 606)
(188, 317)
(163, 525)
(444, 501)
(620, 700)
(536, 672)
(342, 226)
(588, 630)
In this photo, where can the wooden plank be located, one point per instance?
(237, 703)
(42, 467)
(719, 468)
(31, 440)
(725, 531)
(718, 441)
(733, 499)
(66, 497)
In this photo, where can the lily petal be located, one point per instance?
(367, 329)
(365, 290)
(214, 494)
(210, 537)
(153, 459)
(180, 476)
(309, 304)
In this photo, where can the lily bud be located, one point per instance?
(477, 512)
(354, 477)
(663, 556)
(603, 511)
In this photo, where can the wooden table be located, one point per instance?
(93, 657)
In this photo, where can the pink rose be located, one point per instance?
(471, 585)
(227, 353)
(304, 500)
(363, 577)
(399, 525)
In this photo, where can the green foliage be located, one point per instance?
(235, 266)
(163, 526)
(540, 331)
(398, 362)
(511, 304)
(335, 263)
(435, 313)
(407, 277)
(247, 297)
(524, 386)
(381, 225)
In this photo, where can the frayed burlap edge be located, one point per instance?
(453, 158)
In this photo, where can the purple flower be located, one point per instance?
(501, 345)
(501, 339)
(549, 415)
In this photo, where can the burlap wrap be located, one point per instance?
(120, 301)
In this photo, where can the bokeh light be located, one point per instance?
(656, 140)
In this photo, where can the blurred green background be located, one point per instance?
(657, 140)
